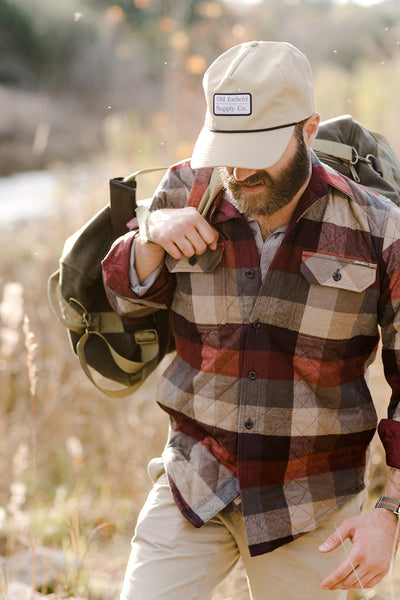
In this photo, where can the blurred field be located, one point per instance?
(73, 462)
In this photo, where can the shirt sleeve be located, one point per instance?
(389, 432)
(143, 288)
(389, 320)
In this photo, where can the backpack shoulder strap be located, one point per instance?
(123, 199)
(206, 186)
(336, 149)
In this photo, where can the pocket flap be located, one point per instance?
(338, 272)
(198, 263)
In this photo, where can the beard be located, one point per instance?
(278, 191)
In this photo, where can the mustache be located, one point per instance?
(259, 178)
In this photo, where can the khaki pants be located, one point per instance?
(172, 560)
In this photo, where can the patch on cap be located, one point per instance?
(232, 104)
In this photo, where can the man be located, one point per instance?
(276, 298)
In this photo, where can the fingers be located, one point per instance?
(186, 246)
(346, 577)
(352, 577)
(344, 573)
(182, 232)
(207, 233)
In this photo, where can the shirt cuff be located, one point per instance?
(141, 288)
(389, 432)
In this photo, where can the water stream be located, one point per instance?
(25, 196)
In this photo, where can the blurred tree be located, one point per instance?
(18, 45)
(139, 63)
(148, 12)
(63, 40)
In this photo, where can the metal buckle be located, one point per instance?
(86, 316)
(355, 156)
(146, 336)
(374, 163)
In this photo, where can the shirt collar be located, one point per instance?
(322, 177)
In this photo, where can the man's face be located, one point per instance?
(265, 192)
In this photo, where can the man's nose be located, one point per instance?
(242, 174)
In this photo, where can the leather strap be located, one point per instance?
(142, 369)
(336, 149)
(123, 199)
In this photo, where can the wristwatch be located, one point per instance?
(389, 504)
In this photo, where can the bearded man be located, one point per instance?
(275, 297)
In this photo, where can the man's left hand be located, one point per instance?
(373, 536)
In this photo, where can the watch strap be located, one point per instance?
(389, 503)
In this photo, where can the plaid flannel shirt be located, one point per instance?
(266, 393)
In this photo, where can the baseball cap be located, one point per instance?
(256, 92)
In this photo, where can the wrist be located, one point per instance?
(145, 248)
(144, 231)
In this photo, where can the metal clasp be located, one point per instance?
(354, 160)
(86, 316)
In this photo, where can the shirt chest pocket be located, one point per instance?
(198, 263)
(340, 301)
(337, 272)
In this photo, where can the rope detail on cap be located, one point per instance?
(252, 130)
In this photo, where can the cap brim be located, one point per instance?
(248, 150)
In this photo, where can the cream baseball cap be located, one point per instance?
(256, 92)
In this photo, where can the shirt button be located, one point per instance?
(249, 424)
(252, 375)
(192, 260)
(250, 273)
(257, 324)
(337, 276)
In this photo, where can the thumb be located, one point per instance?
(335, 540)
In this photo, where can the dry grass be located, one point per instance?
(73, 462)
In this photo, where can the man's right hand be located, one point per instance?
(181, 231)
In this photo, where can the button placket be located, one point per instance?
(250, 376)
(247, 420)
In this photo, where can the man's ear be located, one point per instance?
(310, 129)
